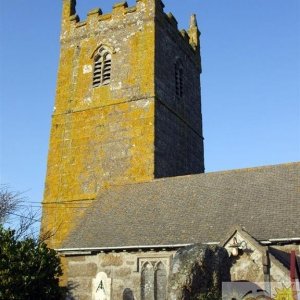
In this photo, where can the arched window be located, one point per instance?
(102, 67)
(147, 282)
(160, 282)
(179, 78)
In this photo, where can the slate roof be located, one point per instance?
(265, 201)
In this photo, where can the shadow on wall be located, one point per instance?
(69, 289)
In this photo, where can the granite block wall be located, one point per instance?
(132, 130)
(104, 135)
(178, 119)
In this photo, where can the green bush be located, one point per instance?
(28, 268)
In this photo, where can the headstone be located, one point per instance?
(101, 287)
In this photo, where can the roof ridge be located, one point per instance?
(240, 170)
(255, 168)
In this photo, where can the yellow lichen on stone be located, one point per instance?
(100, 136)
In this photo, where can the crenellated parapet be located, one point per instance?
(192, 35)
(144, 9)
(172, 20)
(68, 13)
(120, 10)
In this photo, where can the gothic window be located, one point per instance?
(179, 79)
(154, 281)
(160, 282)
(147, 282)
(102, 67)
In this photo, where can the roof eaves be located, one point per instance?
(124, 248)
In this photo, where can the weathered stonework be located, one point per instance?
(248, 264)
(123, 271)
(191, 272)
(256, 263)
(198, 271)
(131, 130)
(178, 119)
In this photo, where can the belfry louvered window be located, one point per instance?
(179, 79)
(102, 67)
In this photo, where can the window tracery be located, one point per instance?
(153, 281)
(102, 67)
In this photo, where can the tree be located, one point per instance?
(28, 268)
(9, 202)
(14, 212)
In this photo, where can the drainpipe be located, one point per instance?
(293, 273)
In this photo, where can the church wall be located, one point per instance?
(115, 273)
(122, 272)
(249, 268)
(178, 149)
(252, 265)
(178, 119)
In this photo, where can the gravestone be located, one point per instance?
(101, 287)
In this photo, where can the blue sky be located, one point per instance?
(250, 82)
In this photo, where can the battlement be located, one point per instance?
(118, 9)
(142, 10)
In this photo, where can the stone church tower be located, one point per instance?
(127, 107)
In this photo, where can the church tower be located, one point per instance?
(127, 107)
